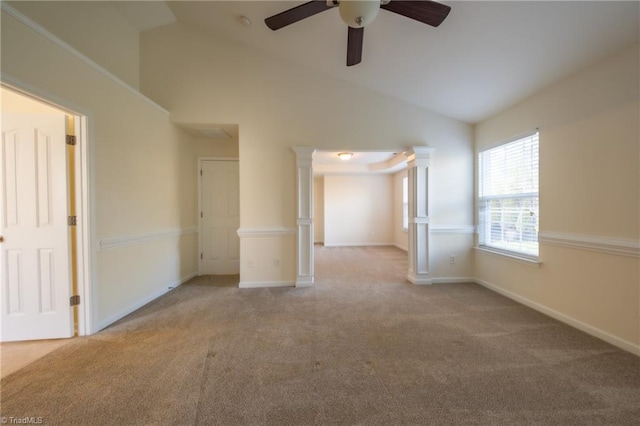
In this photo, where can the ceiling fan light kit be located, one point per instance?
(359, 13)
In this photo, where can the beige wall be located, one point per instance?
(142, 173)
(95, 28)
(400, 236)
(278, 106)
(216, 148)
(589, 186)
(358, 210)
(318, 209)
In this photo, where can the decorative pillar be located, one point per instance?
(418, 179)
(304, 240)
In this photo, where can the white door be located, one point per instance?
(35, 248)
(219, 218)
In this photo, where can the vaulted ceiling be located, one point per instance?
(485, 57)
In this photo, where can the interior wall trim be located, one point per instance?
(451, 229)
(452, 280)
(371, 244)
(266, 232)
(140, 303)
(37, 28)
(587, 328)
(266, 284)
(127, 240)
(615, 246)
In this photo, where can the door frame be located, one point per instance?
(198, 221)
(84, 189)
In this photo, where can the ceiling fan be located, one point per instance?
(358, 13)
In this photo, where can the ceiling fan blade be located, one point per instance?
(355, 39)
(425, 11)
(296, 14)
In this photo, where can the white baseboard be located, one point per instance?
(139, 304)
(452, 280)
(596, 332)
(266, 284)
(358, 244)
(419, 280)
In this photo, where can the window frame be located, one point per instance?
(522, 200)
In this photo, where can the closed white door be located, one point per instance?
(35, 248)
(219, 218)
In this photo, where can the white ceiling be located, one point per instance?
(485, 57)
(362, 162)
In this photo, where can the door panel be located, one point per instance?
(35, 253)
(220, 218)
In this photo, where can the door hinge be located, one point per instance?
(71, 139)
(200, 172)
(74, 300)
(201, 214)
(201, 256)
(72, 220)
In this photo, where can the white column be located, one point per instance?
(418, 177)
(304, 242)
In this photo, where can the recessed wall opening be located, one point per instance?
(218, 213)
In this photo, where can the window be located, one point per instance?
(405, 203)
(508, 197)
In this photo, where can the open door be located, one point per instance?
(34, 252)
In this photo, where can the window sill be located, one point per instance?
(525, 260)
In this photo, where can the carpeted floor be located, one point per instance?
(362, 346)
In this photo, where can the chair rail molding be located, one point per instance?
(266, 232)
(452, 229)
(614, 246)
(127, 240)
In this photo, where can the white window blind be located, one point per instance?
(508, 197)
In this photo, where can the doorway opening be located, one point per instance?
(358, 203)
(218, 183)
(44, 249)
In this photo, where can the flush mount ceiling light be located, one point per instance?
(345, 155)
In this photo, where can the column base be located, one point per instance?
(420, 279)
(304, 282)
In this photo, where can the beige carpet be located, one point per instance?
(362, 346)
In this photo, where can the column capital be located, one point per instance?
(419, 156)
(303, 152)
